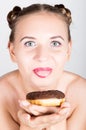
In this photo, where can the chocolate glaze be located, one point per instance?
(45, 94)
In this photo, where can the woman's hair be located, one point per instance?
(17, 13)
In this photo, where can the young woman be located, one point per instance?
(40, 43)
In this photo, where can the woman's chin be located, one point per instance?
(46, 83)
(42, 85)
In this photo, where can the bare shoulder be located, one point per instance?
(8, 104)
(77, 83)
(7, 86)
(76, 95)
(76, 90)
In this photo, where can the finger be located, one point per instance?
(23, 117)
(28, 107)
(44, 110)
(23, 103)
(48, 120)
(33, 122)
(65, 104)
(30, 122)
(35, 109)
(65, 108)
(40, 121)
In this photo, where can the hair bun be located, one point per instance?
(59, 6)
(12, 15)
(64, 11)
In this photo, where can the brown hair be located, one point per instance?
(14, 15)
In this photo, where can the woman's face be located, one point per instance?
(41, 49)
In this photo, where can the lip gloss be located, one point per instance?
(42, 72)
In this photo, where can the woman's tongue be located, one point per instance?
(42, 72)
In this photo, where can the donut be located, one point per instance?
(46, 98)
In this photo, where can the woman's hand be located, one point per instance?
(40, 117)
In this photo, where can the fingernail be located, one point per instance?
(23, 103)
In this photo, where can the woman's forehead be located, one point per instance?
(41, 20)
(41, 26)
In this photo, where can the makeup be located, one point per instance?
(42, 72)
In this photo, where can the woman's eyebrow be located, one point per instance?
(27, 37)
(57, 37)
(33, 38)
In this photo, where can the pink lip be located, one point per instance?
(42, 72)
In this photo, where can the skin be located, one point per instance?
(15, 112)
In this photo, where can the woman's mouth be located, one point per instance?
(42, 72)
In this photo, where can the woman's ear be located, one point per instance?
(69, 49)
(12, 51)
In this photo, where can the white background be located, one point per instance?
(77, 62)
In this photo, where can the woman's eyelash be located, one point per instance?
(55, 43)
(33, 44)
(30, 44)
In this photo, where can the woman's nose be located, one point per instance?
(42, 54)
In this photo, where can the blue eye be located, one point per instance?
(30, 44)
(55, 43)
